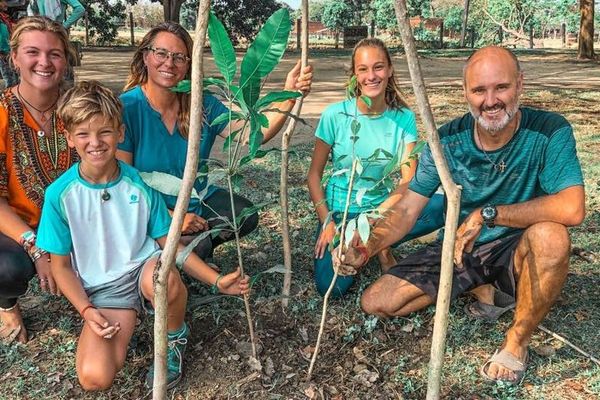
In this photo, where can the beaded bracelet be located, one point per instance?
(214, 289)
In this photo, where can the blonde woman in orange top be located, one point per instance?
(33, 153)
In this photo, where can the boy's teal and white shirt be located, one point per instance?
(390, 131)
(106, 239)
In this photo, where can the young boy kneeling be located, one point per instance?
(101, 215)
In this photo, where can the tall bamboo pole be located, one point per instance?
(283, 188)
(167, 259)
(453, 195)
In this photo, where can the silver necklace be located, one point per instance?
(501, 166)
(104, 195)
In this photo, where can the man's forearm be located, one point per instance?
(566, 207)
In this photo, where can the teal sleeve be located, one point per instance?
(426, 179)
(128, 143)
(561, 168)
(326, 128)
(410, 127)
(53, 233)
(160, 220)
(76, 13)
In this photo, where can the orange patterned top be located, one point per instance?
(28, 163)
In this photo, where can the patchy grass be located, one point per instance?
(361, 356)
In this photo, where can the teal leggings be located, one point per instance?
(431, 218)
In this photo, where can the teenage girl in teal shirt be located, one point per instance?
(386, 124)
(157, 121)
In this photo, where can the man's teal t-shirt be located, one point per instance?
(155, 149)
(540, 159)
(389, 132)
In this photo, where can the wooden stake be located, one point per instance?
(283, 188)
(453, 195)
(167, 259)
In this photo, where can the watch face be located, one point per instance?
(488, 213)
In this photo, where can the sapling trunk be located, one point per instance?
(452, 194)
(335, 270)
(241, 264)
(283, 191)
(167, 258)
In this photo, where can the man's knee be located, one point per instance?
(550, 241)
(376, 301)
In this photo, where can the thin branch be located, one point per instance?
(167, 259)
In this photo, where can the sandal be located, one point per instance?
(508, 361)
(491, 312)
(7, 336)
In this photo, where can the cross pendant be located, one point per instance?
(501, 166)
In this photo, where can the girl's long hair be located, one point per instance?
(138, 73)
(393, 95)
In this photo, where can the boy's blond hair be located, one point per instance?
(87, 99)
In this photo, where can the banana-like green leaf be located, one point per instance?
(259, 154)
(185, 86)
(391, 165)
(367, 100)
(418, 148)
(364, 228)
(165, 183)
(221, 48)
(235, 116)
(263, 120)
(214, 176)
(264, 53)
(359, 196)
(236, 180)
(256, 136)
(351, 88)
(349, 232)
(185, 253)
(246, 212)
(275, 97)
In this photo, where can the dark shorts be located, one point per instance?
(491, 262)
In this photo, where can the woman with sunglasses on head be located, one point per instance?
(157, 124)
(33, 153)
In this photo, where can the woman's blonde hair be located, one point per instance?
(87, 99)
(42, 24)
(393, 95)
(138, 73)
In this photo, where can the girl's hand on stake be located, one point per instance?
(233, 283)
(100, 325)
(193, 223)
(296, 80)
(326, 237)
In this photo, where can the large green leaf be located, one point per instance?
(264, 53)
(275, 97)
(256, 136)
(221, 48)
(235, 116)
(165, 183)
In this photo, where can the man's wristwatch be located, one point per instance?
(489, 214)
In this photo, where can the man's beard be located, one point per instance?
(495, 126)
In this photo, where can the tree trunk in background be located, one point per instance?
(463, 34)
(171, 9)
(585, 48)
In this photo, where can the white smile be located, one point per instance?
(45, 74)
(373, 84)
(166, 74)
(96, 152)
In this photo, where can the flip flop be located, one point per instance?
(7, 336)
(508, 361)
(491, 312)
(486, 312)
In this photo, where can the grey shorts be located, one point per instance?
(124, 292)
(491, 262)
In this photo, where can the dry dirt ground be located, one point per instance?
(361, 357)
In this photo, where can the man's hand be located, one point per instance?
(466, 235)
(325, 238)
(233, 283)
(193, 223)
(47, 283)
(100, 325)
(296, 81)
